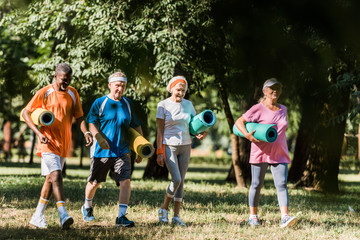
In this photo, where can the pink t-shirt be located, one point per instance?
(264, 152)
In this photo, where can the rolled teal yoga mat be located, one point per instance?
(264, 132)
(201, 122)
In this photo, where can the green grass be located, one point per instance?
(212, 209)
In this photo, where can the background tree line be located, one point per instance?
(227, 46)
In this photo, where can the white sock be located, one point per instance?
(61, 208)
(88, 202)
(41, 206)
(253, 215)
(122, 209)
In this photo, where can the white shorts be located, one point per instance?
(51, 162)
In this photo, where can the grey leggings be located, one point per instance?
(177, 162)
(279, 172)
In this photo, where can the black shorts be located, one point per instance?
(120, 168)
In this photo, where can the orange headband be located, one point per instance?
(176, 82)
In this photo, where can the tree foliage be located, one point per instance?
(228, 46)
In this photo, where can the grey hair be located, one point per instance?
(63, 67)
(117, 74)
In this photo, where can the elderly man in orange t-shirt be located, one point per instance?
(64, 102)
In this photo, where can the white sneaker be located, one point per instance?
(38, 221)
(163, 216)
(288, 221)
(178, 221)
(66, 221)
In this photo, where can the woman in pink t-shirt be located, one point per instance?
(263, 154)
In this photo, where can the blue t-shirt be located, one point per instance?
(113, 119)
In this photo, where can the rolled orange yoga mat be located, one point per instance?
(139, 144)
(40, 117)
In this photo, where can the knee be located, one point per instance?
(256, 184)
(281, 185)
(54, 177)
(93, 185)
(177, 182)
(125, 183)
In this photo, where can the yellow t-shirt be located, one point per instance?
(64, 105)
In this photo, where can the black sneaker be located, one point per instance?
(123, 222)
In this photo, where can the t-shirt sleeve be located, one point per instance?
(78, 111)
(252, 115)
(36, 101)
(93, 116)
(160, 113)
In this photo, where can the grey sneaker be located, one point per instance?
(66, 221)
(163, 215)
(288, 221)
(38, 221)
(178, 221)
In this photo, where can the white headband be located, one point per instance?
(115, 79)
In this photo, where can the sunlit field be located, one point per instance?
(212, 209)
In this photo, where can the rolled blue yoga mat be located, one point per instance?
(264, 132)
(201, 122)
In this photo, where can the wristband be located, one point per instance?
(87, 133)
(159, 151)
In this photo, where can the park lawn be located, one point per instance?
(212, 209)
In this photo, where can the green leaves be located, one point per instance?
(96, 38)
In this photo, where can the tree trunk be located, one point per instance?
(239, 161)
(153, 170)
(318, 148)
(74, 140)
(33, 143)
(301, 152)
(7, 141)
(81, 153)
(358, 153)
(64, 169)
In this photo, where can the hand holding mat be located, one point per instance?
(263, 132)
(40, 117)
(201, 122)
(139, 144)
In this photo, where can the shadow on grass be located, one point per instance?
(208, 170)
(93, 232)
(27, 195)
(348, 171)
(143, 231)
(19, 165)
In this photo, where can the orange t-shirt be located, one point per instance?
(64, 105)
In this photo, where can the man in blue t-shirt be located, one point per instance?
(109, 120)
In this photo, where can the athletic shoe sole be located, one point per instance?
(38, 226)
(291, 223)
(125, 225)
(68, 222)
